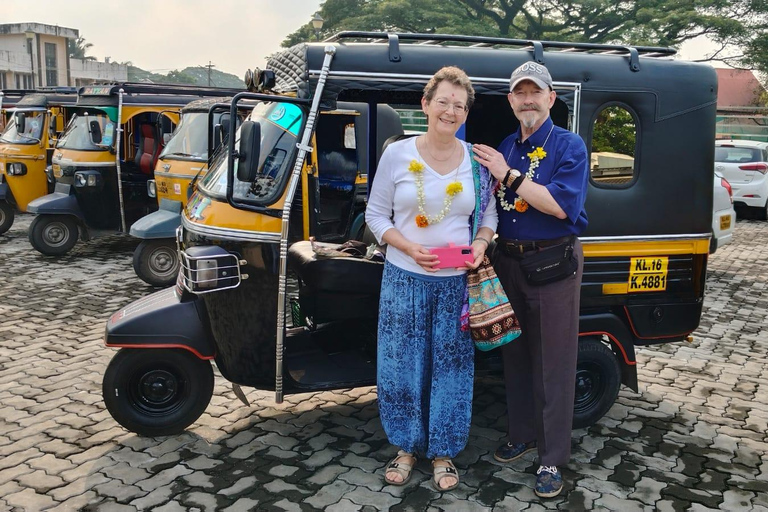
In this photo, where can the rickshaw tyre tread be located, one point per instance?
(7, 218)
(596, 352)
(141, 265)
(116, 395)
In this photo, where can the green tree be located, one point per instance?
(178, 77)
(614, 132)
(78, 48)
(739, 27)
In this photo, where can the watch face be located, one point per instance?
(515, 173)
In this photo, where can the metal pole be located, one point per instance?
(304, 147)
(118, 140)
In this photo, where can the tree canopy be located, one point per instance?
(78, 48)
(738, 27)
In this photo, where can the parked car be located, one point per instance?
(744, 164)
(724, 216)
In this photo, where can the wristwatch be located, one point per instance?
(512, 175)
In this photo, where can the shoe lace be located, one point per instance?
(549, 469)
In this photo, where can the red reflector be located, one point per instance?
(760, 167)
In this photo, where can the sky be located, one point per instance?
(162, 35)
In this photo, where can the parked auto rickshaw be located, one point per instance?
(8, 99)
(185, 158)
(26, 147)
(644, 270)
(104, 159)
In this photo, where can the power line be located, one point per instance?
(209, 66)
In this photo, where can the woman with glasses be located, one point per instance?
(426, 194)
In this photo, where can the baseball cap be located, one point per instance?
(536, 73)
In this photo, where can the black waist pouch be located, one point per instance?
(549, 264)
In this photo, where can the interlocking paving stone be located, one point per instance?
(692, 438)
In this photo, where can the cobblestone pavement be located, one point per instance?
(693, 438)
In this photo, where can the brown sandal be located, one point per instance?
(444, 470)
(401, 467)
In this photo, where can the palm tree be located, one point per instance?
(78, 47)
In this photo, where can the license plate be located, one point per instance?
(56, 170)
(725, 221)
(648, 274)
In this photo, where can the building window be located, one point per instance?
(614, 141)
(24, 81)
(3, 81)
(51, 70)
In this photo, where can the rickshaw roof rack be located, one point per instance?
(38, 100)
(159, 89)
(395, 38)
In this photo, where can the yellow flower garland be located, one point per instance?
(422, 219)
(519, 204)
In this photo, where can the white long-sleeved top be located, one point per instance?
(393, 204)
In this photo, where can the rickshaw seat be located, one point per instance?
(149, 148)
(335, 288)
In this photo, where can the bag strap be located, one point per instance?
(478, 191)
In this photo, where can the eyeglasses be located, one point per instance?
(458, 108)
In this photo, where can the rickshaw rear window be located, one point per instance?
(614, 143)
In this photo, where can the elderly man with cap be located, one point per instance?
(543, 172)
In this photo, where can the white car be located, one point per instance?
(724, 216)
(744, 163)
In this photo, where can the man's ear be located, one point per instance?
(552, 96)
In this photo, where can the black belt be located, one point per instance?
(514, 247)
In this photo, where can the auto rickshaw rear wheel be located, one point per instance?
(53, 235)
(598, 378)
(156, 262)
(157, 392)
(6, 217)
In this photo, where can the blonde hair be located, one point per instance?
(454, 76)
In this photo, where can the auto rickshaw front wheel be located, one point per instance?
(598, 378)
(156, 262)
(6, 217)
(53, 235)
(157, 392)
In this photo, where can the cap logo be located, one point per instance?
(530, 67)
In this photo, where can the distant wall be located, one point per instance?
(90, 71)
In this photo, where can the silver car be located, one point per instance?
(723, 216)
(744, 163)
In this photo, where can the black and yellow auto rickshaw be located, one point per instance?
(8, 100)
(644, 270)
(26, 147)
(104, 159)
(185, 158)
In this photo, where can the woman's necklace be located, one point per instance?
(520, 205)
(422, 219)
(424, 145)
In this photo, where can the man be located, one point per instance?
(544, 172)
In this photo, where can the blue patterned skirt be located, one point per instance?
(425, 363)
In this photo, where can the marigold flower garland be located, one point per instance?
(422, 219)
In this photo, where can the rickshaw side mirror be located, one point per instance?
(218, 135)
(95, 129)
(166, 138)
(248, 152)
(21, 122)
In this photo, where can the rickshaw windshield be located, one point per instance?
(281, 124)
(190, 139)
(89, 130)
(33, 128)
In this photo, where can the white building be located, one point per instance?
(36, 55)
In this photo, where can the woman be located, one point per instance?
(425, 195)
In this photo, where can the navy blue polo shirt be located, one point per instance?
(565, 173)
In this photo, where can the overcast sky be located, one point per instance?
(161, 35)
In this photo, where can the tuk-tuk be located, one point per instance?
(234, 302)
(26, 147)
(8, 99)
(202, 126)
(104, 159)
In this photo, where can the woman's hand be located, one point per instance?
(479, 247)
(422, 256)
(492, 160)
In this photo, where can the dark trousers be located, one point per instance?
(540, 366)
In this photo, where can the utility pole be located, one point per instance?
(209, 66)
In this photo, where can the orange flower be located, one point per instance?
(421, 221)
(521, 205)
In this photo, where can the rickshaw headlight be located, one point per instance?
(151, 188)
(16, 169)
(87, 179)
(209, 268)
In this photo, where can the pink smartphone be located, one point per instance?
(452, 256)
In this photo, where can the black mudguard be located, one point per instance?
(622, 341)
(162, 320)
(61, 202)
(5, 192)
